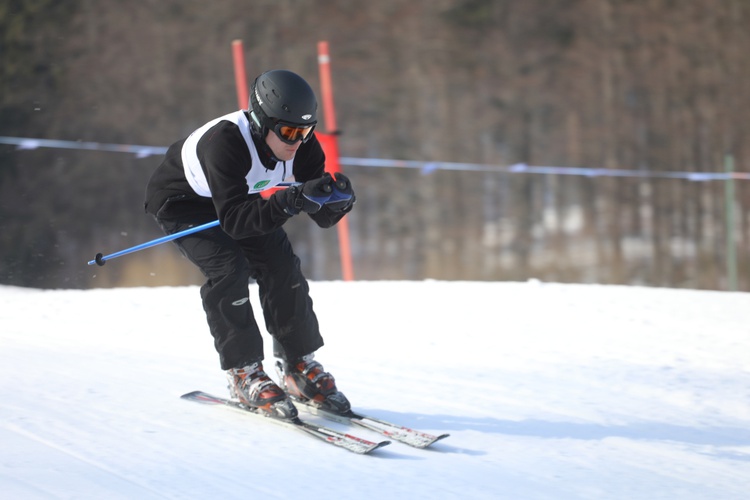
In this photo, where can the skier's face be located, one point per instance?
(282, 150)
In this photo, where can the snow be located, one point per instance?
(549, 391)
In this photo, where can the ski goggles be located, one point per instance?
(290, 134)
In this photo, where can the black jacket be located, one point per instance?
(225, 161)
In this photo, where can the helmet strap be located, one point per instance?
(265, 153)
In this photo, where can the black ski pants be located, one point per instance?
(228, 265)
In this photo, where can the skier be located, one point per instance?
(218, 172)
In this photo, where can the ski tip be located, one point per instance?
(382, 443)
(440, 437)
(432, 441)
(375, 446)
(191, 395)
(423, 441)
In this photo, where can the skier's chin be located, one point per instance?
(288, 154)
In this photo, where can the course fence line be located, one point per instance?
(425, 167)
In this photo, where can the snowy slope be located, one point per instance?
(548, 391)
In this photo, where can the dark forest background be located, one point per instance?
(650, 85)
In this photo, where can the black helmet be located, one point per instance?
(282, 99)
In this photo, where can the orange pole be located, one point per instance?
(332, 163)
(324, 63)
(240, 77)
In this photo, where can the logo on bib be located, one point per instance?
(261, 184)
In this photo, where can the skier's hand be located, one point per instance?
(342, 198)
(308, 197)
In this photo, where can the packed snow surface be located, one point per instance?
(549, 391)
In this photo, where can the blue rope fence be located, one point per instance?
(425, 167)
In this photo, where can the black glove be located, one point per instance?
(342, 197)
(308, 197)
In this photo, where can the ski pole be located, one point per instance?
(102, 259)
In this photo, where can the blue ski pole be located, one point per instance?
(102, 259)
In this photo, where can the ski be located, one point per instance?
(347, 441)
(390, 430)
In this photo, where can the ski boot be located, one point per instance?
(253, 388)
(306, 381)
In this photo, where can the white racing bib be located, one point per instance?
(258, 178)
